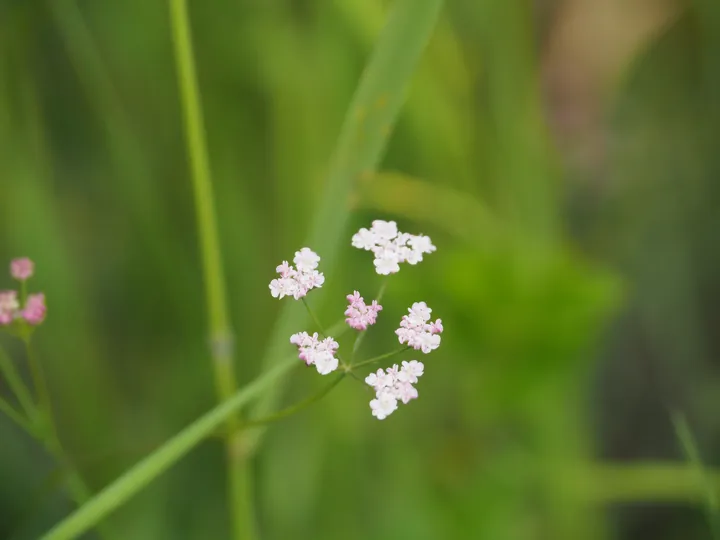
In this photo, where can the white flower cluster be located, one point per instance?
(393, 385)
(296, 282)
(320, 353)
(417, 331)
(391, 247)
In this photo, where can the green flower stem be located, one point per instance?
(71, 478)
(378, 358)
(315, 319)
(40, 384)
(365, 131)
(16, 384)
(44, 429)
(288, 411)
(361, 335)
(221, 339)
(16, 417)
(144, 472)
(690, 448)
(322, 331)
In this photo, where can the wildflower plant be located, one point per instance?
(29, 406)
(417, 330)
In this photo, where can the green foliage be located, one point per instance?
(504, 442)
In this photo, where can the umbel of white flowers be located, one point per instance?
(395, 384)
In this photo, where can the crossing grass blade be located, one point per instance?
(363, 138)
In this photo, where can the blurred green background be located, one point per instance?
(561, 154)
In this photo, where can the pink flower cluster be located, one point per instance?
(391, 247)
(359, 315)
(393, 385)
(313, 351)
(33, 312)
(296, 282)
(22, 268)
(417, 331)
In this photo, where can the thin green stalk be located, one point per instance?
(289, 411)
(314, 318)
(221, 339)
(361, 335)
(685, 436)
(45, 430)
(653, 482)
(16, 417)
(16, 384)
(378, 358)
(366, 129)
(149, 468)
(41, 388)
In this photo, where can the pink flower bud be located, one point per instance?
(8, 307)
(34, 312)
(22, 269)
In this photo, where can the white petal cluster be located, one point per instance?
(417, 331)
(297, 281)
(391, 247)
(316, 352)
(393, 385)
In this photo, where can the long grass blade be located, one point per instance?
(363, 138)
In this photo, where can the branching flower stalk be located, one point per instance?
(20, 315)
(391, 248)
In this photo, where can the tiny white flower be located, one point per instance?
(325, 363)
(413, 256)
(364, 239)
(391, 247)
(285, 270)
(422, 244)
(387, 264)
(384, 405)
(379, 380)
(384, 230)
(315, 352)
(420, 310)
(306, 260)
(411, 371)
(297, 282)
(283, 287)
(428, 342)
(312, 280)
(405, 391)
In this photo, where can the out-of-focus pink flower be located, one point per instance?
(22, 268)
(8, 307)
(34, 311)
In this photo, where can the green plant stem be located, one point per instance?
(45, 430)
(378, 358)
(149, 468)
(361, 335)
(366, 129)
(16, 417)
(297, 407)
(315, 319)
(16, 384)
(687, 440)
(221, 339)
(41, 388)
